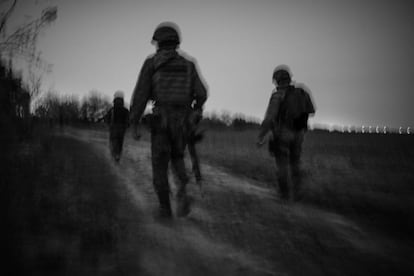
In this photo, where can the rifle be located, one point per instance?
(194, 138)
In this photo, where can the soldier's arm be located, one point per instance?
(141, 93)
(271, 113)
(107, 117)
(309, 104)
(200, 91)
(126, 122)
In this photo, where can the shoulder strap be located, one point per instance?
(112, 115)
(282, 107)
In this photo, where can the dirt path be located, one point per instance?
(237, 228)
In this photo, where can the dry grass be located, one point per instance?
(55, 192)
(365, 176)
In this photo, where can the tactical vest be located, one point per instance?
(172, 83)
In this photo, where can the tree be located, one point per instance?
(34, 84)
(94, 106)
(22, 41)
(48, 107)
(70, 109)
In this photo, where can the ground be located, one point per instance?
(237, 226)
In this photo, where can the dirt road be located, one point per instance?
(236, 228)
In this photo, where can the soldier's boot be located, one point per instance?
(297, 189)
(117, 157)
(183, 203)
(197, 173)
(283, 189)
(117, 150)
(165, 205)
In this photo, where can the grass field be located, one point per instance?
(54, 193)
(369, 177)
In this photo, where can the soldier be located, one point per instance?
(172, 83)
(287, 117)
(118, 120)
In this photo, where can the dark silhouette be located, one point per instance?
(170, 79)
(287, 117)
(118, 120)
(14, 105)
(195, 136)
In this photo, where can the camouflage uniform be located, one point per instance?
(171, 81)
(286, 103)
(118, 120)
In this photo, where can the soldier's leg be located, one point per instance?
(121, 141)
(295, 164)
(112, 142)
(178, 143)
(160, 157)
(282, 161)
(117, 144)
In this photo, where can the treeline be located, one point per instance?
(52, 108)
(68, 109)
(65, 109)
(226, 120)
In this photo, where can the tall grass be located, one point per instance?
(59, 207)
(236, 151)
(369, 176)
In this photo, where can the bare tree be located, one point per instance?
(94, 106)
(34, 84)
(70, 108)
(22, 41)
(6, 15)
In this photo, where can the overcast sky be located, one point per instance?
(356, 57)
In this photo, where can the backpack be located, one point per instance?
(295, 109)
(118, 116)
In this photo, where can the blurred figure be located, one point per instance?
(287, 117)
(118, 120)
(172, 82)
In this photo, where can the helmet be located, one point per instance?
(281, 74)
(119, 95)
(167, 32)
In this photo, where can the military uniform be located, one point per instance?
(286, 117)
(172, 83)
(118, 120)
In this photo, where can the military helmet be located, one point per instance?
(119, 95)
(167, 32)
(281, 74)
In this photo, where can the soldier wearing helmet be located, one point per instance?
(118, 120)
(171, 81)
(286, 117)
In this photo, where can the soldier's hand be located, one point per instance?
(135, 132)
(195, 117)
(260, 141)
(137, 136)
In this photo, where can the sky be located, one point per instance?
(355, 57)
